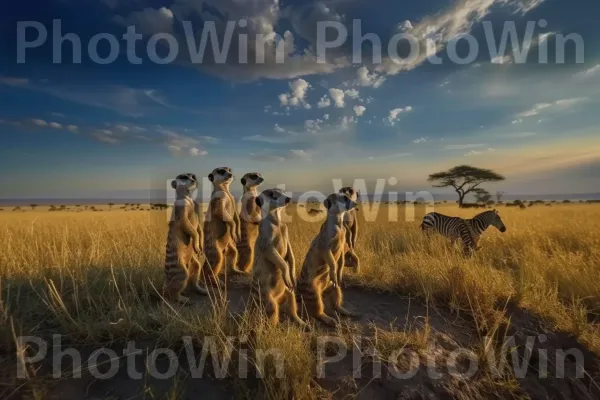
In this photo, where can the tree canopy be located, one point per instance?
(482, 195)
(464, 179)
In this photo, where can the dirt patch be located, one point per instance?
(380, 362)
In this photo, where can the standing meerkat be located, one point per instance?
(319, 284)
(351, 224)
(250, 219)
(221, 226)
(274, 273)
(184, 241)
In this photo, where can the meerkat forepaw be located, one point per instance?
(342, 311)
(327, 320)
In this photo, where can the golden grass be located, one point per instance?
(79, 273)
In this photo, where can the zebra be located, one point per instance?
(468, 230)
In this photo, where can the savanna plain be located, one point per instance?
(94, 277)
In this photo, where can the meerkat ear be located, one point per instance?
(243, 180)
(258, 201)
(211, 177)
(174, 184)
(327, 203)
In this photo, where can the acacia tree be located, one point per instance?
(499, 195)
(464, 179)
(482, 196)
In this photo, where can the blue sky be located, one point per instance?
(87, 129)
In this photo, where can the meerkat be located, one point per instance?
(319, 284)
(351, 224)
(221, 226)
(250, 219)
(274, 273)
(184, 241)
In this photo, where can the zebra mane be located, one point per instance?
(484, 213)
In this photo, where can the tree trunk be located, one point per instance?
(461, 198)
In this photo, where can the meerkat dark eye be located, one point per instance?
(253, 176)
(221, 171)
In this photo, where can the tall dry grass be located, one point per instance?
(79, 273)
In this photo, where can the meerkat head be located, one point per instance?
(272, 199)
(338, 203)
(251, 180)
(350, 192)
(220, 175)
(185, 183)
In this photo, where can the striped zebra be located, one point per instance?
(468, 230)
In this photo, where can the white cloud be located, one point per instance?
(297, 95)
(388, 156)
(194, 151)
(299, 88)
(359, 110)
(324, 102)
(55, 125)
(517, 135)
(174, 149)
(39, 122)
(588, 72)
(525, 6)
(177, 143)
(463, 146)
(122, 128)
(279, 129)
(352, 93)
(326, 117)
(338, 97)
(293, 154)
(12, 81)
(120, 99)
(420, 140)
(284, 99)
(394, 115)
(364, 78)
(210, 139)
(72, 128)
(517, 121)
(149, 21)
(545, 36)
(557, 106)
(405, 25)
(312, 126)
(346, 121)
(302, 154)
(476, 153)
(272, 139)
(105, 136)
(435, 31)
